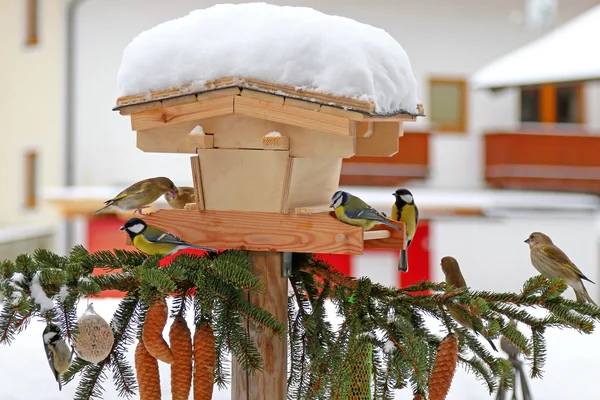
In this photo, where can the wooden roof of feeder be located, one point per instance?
(264, 200)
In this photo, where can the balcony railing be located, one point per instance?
(410, 162)
(561, 162)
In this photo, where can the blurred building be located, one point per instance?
(78, 152)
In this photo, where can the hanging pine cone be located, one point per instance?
(146, 371)
(443, 371)
(419, 397)
(94, 339)
(181, 369)
(156, 319)
(204, 362)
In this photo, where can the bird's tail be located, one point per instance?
(491, 344)
(388, 223)
(403, 261)
(583, 296)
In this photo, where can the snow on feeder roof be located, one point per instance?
(291, 51)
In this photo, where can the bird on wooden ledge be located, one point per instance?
(405, 210)
(151, 240)
(182, 196)
(139, 195)
(352, 210)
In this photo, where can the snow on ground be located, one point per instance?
(572, 358)
(296, 46)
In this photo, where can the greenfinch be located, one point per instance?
(405, 210)
(151, 240)
(553, 263)
(183, 196)
(139, 195)
(455, 278)
(353, 211)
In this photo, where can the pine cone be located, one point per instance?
(419, 397)
(146, 370)
(181, 369)
(443, 371)
(204, 362)
(156, 319)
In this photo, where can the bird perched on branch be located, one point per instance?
(139, 195)
(455, 278)
(58, 353)
(183, 195)
(151, 240)
(553, 263)
(405, 210)
(352, 210)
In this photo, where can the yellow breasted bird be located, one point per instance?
(405, 210)
(139, 195)
(553, 263)
(352, 210)
(182, 196)
(151, 240)
(455, 278)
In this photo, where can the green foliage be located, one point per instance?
(392, 334)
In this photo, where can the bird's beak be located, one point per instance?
(526, 240)
(174, 194)
(122, 228)
(331, 205)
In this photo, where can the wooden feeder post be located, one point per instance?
(264, 169)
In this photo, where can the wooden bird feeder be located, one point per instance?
(266, 161)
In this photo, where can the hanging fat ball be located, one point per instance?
(151, 240)
(455, 278)
(405, 210)
(182, 196)
(444, 368)
(553, 263)
(139, 195)
(58, 353)
(94, 339)
(353, 211)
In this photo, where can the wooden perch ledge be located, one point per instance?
(262, 231)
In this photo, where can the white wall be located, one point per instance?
(440, 37)
(30, 107)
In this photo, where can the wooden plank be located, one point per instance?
(292, 116)
(340, 112)
(136, 108)
(305, 104)
(213, 94)
(313, 181)
(321, 209)
(271, 98)
(372, 235)
(364, 129)
(391, 118)
(176, 101)
(257, 177)
(198, 188)
(200, 140)
(182, 113)
(382, 143)
(262, 231)
(168, 139)
(275, 142)
(318, 96)
(396, 240)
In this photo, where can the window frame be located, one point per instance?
(461, 82)
(547, 103)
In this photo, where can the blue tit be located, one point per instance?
(151, 240)
(405, 210)
(57, 351)
(352, 210)
(139, 195)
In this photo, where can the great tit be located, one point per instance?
(182, 196)
(139, 195)
(352, 210)
(405, 210)
(58, 353)
(151, 240)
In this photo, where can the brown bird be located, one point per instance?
(139, 195)
(455, 278)
(183, 196)
(553, 263)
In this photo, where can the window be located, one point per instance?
(448, 104)
(30, 180)
(31, 23)
(555, 103)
